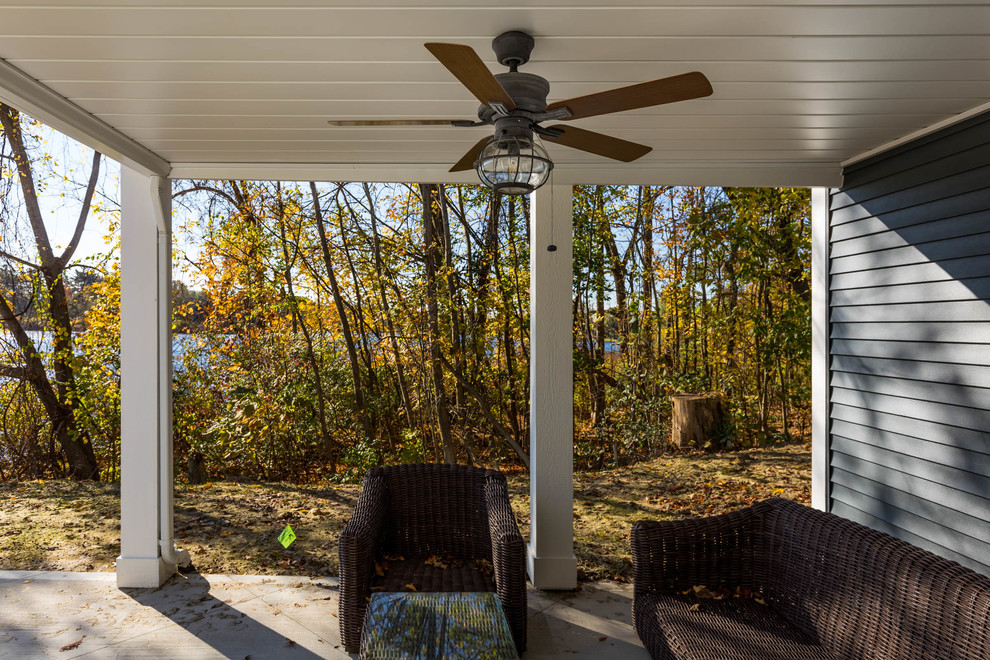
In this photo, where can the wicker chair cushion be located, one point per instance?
(729, 629)
(425, 577)
(858, 592)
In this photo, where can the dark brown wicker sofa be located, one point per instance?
(407, 514)
(833, 589)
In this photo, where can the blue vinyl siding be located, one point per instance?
(909, 363)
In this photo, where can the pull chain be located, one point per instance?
(553, 246)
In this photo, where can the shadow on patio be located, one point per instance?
(221, 616)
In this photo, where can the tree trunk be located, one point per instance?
(600, 353)
(430, 251)
(454, 305)
(363, 346)
(59, 400)
(298, 322)
(646, 321)
(345, 327)
(376, 247)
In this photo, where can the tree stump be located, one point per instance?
(196, 470)
(695, 418)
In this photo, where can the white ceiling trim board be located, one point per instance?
(788, 175)
(20, 91)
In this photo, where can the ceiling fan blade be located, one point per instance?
(655, 92)
(467, 67)
(467, 160)
(394, 122)
(597, 143)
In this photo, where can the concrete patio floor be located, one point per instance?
(241, 616)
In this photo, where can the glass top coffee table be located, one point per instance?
(436, 626)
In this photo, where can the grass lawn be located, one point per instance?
(233, 527)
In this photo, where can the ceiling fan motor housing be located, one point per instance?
(528, 91)
(513, 48)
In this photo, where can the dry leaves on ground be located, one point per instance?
(233, 527)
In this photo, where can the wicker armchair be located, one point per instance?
(831, 588)
(455, 514)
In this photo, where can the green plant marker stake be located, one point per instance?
(287, 536)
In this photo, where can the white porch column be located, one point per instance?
(551, 562)
(819, 349)
(145, 375)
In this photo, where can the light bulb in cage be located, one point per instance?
(513, 165)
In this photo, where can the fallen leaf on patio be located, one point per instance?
(411, 587)
(759, 599)
(73, 645)
(602, 639)
(694, 608)
(289, 642)
(701, 591)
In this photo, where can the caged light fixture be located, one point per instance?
(513, 164)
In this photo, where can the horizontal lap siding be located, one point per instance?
(909, 312)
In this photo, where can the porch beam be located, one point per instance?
(819, 349)
(21, 91)
(550, 558)
(145, 377)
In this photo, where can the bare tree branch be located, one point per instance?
(19, 260)
(202, 188)
(94, 175)
(485, 407)
(10, 371)
(10, 119)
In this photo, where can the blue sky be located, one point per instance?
(61, 188)
(61, 168)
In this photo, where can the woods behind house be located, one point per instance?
(327, 327)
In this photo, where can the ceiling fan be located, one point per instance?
(515, 103)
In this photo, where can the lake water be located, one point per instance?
(181, 344)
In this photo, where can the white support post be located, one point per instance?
(819, 349)
(551, 562)
(145, 376)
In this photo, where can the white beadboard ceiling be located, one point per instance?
(245, 87)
